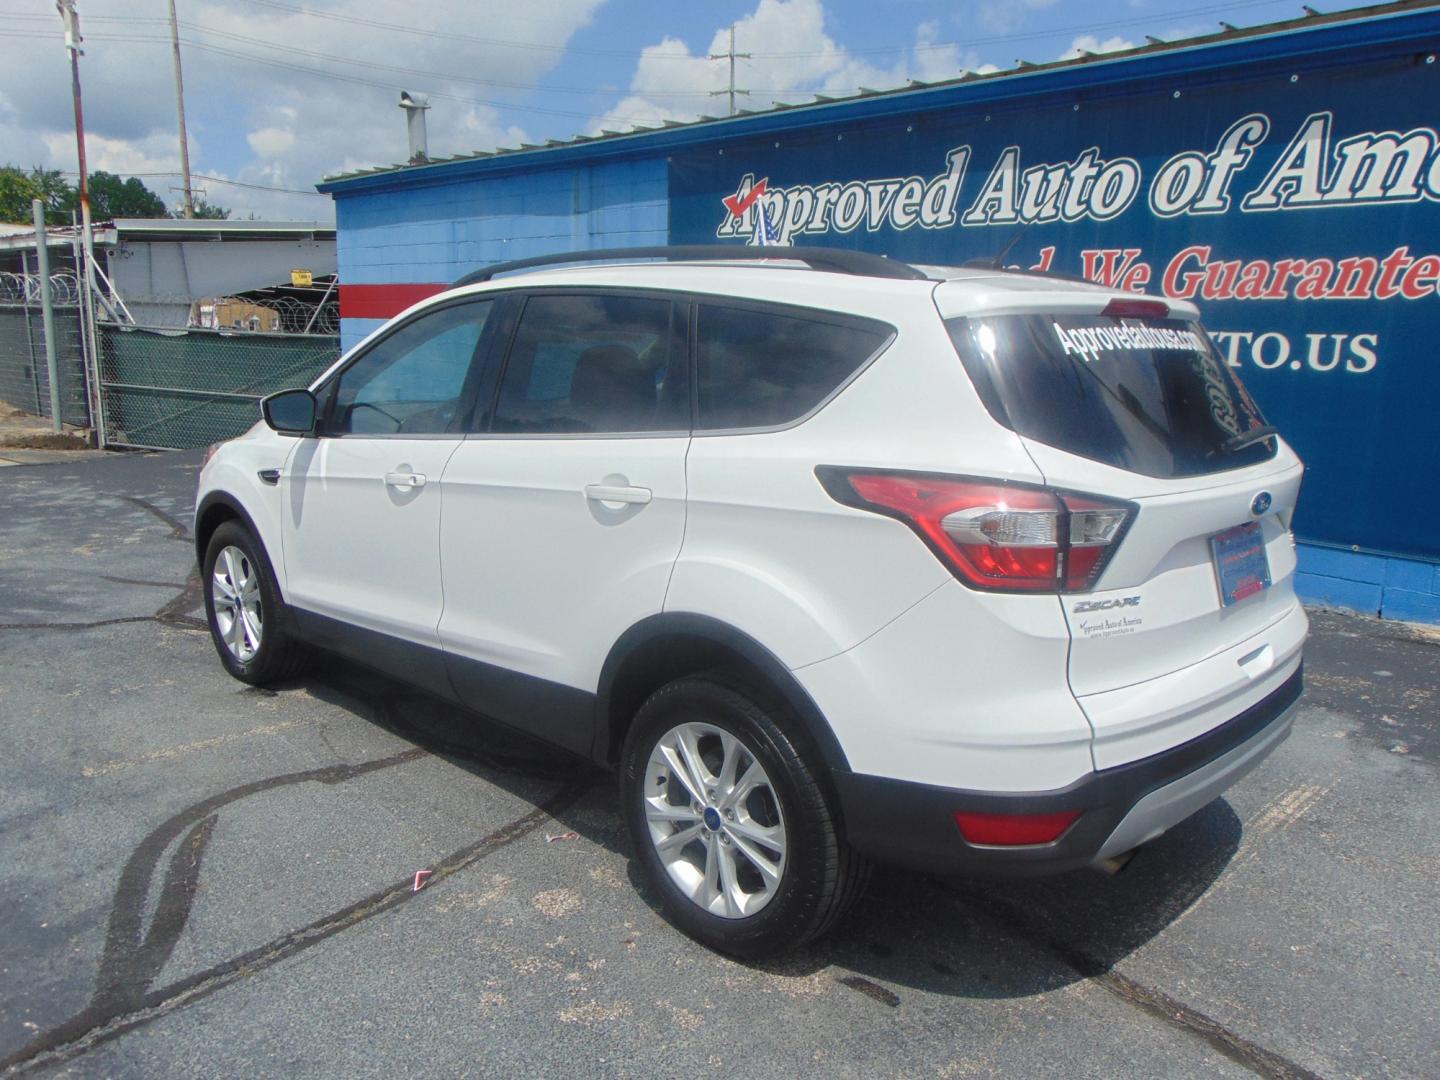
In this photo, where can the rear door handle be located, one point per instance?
(612, 493)
(405, 480)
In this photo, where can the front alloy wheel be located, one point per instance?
(247, 618)
(715, 820)
(239, 611)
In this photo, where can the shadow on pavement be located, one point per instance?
(967, 938)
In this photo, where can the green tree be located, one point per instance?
(17, 188)
(112, 197)
(56, 193)
(16, 191)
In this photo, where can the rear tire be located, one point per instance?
(247, 619)
(730, 822)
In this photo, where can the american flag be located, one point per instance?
(765, 231)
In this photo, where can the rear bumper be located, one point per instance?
(912, 824)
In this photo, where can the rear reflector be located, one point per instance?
(992, 535)
(1013, 830)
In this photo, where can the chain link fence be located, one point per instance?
(173, 373)
(169, 388)
(24, 372)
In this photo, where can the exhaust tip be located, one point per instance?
(1115, 863)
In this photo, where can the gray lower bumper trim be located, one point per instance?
(1177, 800)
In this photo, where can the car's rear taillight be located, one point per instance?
(992, 535)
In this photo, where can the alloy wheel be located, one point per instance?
(715, 820)
(238, 613)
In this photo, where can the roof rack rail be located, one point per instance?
(835, 260)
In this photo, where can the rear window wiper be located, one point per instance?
(1246, 438)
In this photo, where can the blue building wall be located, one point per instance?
(1390, 587)
(437, 232)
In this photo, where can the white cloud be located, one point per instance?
(270, 142)
(260, 123)
(152, 153)
(792, 59)
(1089, 43)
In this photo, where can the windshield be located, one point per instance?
(1148, 395)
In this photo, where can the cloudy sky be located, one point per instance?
(280, 94)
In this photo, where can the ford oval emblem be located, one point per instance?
(1260, 503)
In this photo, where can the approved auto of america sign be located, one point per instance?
(1315, 171)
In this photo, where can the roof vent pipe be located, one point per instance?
(415, 126)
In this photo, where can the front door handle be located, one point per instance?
(405, 481)
(616, 493)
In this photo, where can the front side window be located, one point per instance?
(594, 365)
(412, 381)
(761, 368)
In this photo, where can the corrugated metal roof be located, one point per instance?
(172, 230)
(440, 168)
(183, 228)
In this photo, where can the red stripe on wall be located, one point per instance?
(382, 301)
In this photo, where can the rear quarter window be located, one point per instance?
(1149, 395)
(766, 367)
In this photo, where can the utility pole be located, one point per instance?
(71, 20)
(732, 55)
(180, 109)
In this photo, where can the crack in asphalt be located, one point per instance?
(123, 1000)
(178, 529)
(173, 613)
(1251, 1055)
(77, 625)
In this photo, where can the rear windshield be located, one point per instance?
(1148, 395)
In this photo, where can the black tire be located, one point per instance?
(820, 877)
(278, 656)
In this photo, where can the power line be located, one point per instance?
(242, 184)
(451, 76)
(1001, 39)
(360, 81)
(309, 70)
(109, 35)
(444, 35)
(212, 179)
(1053, 31)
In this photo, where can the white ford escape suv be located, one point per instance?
(833, 558)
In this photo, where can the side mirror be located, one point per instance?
(290, 411)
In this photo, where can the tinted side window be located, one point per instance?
(761, 368)
(411, 382)
(594, 364)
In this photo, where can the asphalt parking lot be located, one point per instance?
(201, 879)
